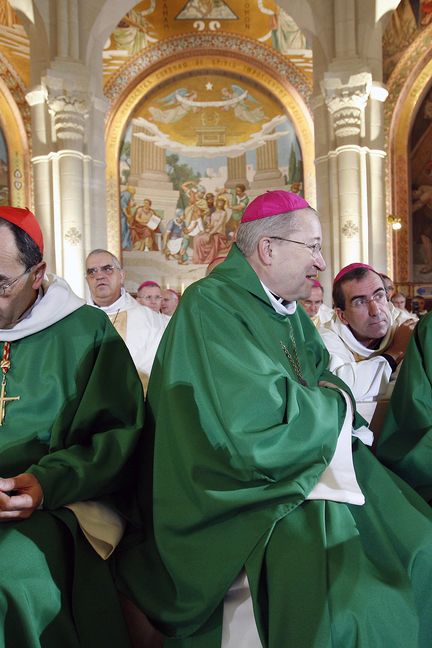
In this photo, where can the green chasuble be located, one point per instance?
(238, 444)
(75, 428)
(405, 443)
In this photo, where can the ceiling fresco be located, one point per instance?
(14, 44)
(152, 21)
(222, 112)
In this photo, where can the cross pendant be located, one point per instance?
(4, 400)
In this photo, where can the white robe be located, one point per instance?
(144, 330)
(365, 371)
(324, 315)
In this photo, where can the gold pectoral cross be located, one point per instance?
(4, 400)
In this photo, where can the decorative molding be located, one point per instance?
(73, 236)
(16, 87)
(69, 113)
(220, 43)
(346, 101)
(350, 229)
(407, 84)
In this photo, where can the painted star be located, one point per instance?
(209, 86)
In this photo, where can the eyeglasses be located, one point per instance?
(149, 298)
(5, 287)
(105, 269)
(380, 297)
(315, 248)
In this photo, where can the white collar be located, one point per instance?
(288, 309)
(56, 302)
(124, 302)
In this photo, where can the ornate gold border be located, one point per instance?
(17, 145)
(407, 87)
(242, 66)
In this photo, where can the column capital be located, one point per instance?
(346, 101)
(69, 111)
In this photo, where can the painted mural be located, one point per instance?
(421, 196)
(151, 21)
(410, 17)
(195, 152)
(4, 172)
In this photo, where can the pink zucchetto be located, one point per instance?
(148, 283)
(25, 220)
(348, 268)
(316, 284)
(273, 203)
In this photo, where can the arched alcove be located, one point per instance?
(16, 136)
(195, 54)
(408, 85)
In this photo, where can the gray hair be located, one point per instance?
(249, 234)
(116, 263)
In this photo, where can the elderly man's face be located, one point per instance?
(399, 301)
(294, 266)
(20, 286)
(150, 296)
(313, 303)
(366, 309)
(169, 302)
(106, 280)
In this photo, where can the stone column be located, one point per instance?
(42, 176)
(350, 175)
(349, 132)
(236, 172)
(346, 104)
(148, 173)
(68, 113)
(148, 162)
(268, 174)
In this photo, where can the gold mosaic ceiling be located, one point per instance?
(153, 21)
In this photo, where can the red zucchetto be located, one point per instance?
(25, 220)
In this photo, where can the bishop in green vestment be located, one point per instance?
(71, 413)
(405, 443)
(251, 473)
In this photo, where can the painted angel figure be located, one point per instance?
(179, 110)
(241, 110)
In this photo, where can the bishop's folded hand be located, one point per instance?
(19, 497)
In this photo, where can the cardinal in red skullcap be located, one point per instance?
(71, 415)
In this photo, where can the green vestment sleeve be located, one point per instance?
(80, 412)
(405, 443)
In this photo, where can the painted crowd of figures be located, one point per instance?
(201, 231)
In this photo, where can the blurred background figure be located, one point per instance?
(418, 306)
(388, 285)
(315, 307)
(170, 300)
(399, 300)
(149, 294)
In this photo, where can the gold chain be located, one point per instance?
(293, 357)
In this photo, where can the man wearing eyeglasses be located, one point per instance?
(140, 327)
(265, 522)
(71, 413)
(315, 307)
(366, 338)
